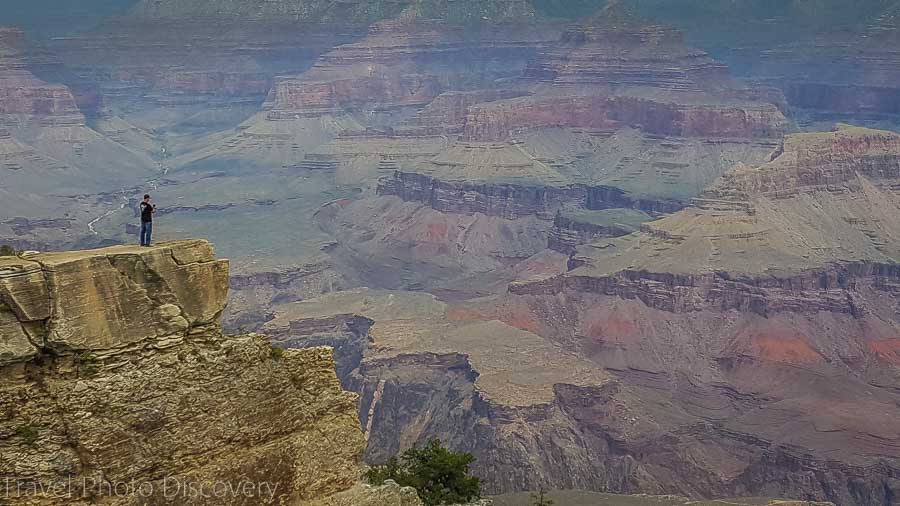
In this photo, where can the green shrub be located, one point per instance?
(276, 352)
(438, 475)
(7, 251)
(28, 433)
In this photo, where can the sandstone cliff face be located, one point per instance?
(572, 230)
(119, 387)
(834, 290)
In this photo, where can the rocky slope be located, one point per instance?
(820, 201)
(615, 114)
(24, 97)
(119, 386)
(742, 346)
(577, 391)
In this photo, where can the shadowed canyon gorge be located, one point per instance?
(605, 246)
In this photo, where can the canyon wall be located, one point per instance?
(512, 201)
(831, 290)
(816, 161)
(406, 63)
(593, 392)
(745, 345)
(119, 386)
(659, 117)
(615, 48)
(25, 98)
(571, 231)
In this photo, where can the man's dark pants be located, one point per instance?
(146, 232)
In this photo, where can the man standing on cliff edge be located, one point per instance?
(147, 210)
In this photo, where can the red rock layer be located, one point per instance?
(293, 96)
(498, 121)
(613, 71)
(832, 290)
(24, 97)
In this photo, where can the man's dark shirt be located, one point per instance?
(146, 212)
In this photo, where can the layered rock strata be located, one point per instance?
(23, 97)
(571, 230)
(671, 116)
(118, 384)
(617, 49)
(512, 201)
(617, 114)
(714, 324)
(406, 63)
(677, 414)
(131, 64)
(617, 70)
(818, 204)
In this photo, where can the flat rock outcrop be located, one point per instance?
(119, 386)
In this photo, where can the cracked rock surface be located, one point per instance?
(117, 386)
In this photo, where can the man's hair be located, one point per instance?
(146, 197)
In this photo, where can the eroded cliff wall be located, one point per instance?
(117, 386)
